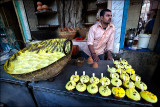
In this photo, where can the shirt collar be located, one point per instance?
(100, 25)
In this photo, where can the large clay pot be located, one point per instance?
(39, 3)
(44, 7)
(39, 8)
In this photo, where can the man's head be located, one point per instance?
(106, 16)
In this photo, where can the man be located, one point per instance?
(100, 38)
(149, 25)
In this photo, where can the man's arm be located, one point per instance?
(93, 54)
(90, 44)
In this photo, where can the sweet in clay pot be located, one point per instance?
(90, 60)
(95, 65)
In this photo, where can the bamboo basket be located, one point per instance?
(83, 31)
(50, 71)
(68, 34)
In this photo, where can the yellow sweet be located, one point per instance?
(135, 76)
(124, 76)
(128, 66)
(94, 80)
(112, 70)
(118, 91)
(130, 70)
(81, 87)
(128, 83)
(75, 78)
(120, 66)
(106, 80)
(116, 62)
(121, 70)
(114, 75)
(148, 96)
(92, 88)
(104, 91)
(133, 94)
(139, 83)
(70, 85)
(116, 81)
(84, 78)
(124, 62)
(32, 61)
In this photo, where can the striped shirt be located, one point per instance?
(102, 40)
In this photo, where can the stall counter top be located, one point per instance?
(58, 85)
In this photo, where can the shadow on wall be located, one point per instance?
(144, 63)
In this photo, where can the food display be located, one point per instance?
(128, 66)
(106, 80)
(92, 88)
(121, 81)
(148, 96)
(84, 78)
(114, 75)
(119, 70)
(32, 61)
(70, 85)
(124, 62)
(135, 77)
(140, 85)
(75, 77)
(133, 94)
(104, 91)
(94, 79)
(112, 69)
(120, 66)
(118, 92)
(81, 87)
(128, 84)
(124, 76)
(116, 62)
(39, 61)
(130, 71)
(116, 82)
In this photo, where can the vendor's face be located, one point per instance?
(106, 19)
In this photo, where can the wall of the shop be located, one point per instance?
(34, 20)
(70, 13)
(133, 13)
(144, 63)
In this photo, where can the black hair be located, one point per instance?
(103, 12)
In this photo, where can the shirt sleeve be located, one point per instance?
(90, 36)
(109, 46)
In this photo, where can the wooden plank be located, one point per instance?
(19, 21)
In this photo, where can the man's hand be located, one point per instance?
(93, 54)
(109, 56)
(95, 57)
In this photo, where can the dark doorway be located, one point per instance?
(9, 17)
